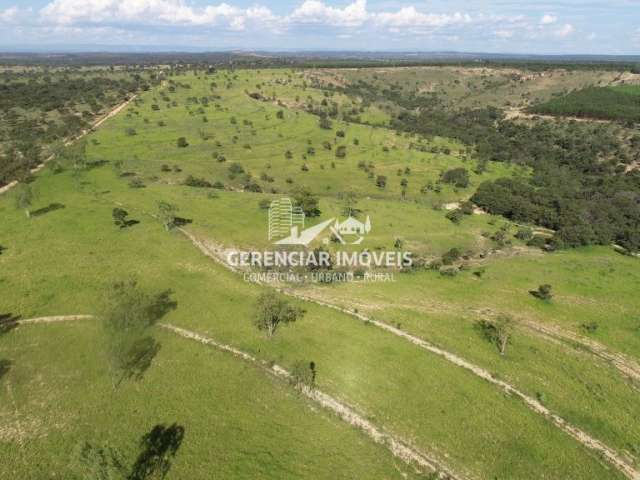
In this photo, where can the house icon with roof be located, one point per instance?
(353, 226)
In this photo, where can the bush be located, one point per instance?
(455, 215)
(451, 256)
(236, 169)
(303, 374)
(525, 234)
(192, 181)
(543, 292)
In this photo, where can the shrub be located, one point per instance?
(455, 215)
(236, 169)
(543, 292)
(381, 181)
(192, 181)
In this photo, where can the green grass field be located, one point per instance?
(240, 422)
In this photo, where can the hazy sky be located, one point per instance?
(568, 26)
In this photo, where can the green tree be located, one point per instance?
(98, 462)
(498, 331)
(127, 315)
(381, 181)
(120, 217)
(543, 292)
(24, 198)
(182, 142)
(303, 197)
(167, 214)
(303, 374)
(271, 310)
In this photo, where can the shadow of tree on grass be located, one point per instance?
(158, 449)
(8, 322)
(50, 208)
(5, 366)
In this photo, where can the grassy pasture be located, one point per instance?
(238, 422)
(356, 363)
(259, 142)
(60, 263)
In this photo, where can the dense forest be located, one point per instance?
(580, 186)
(607, 103)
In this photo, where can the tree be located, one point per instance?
(303, 197)
(167, 214)
(182, 142)
(303, 374)
(324, 123)
(349, 204)
(98, 462)
(120, 217)
(381, 181)
(543, 292)
(341, 151)
(271, 310)
(498, 331)
(459, 177)
(24, 198)
(127, 315)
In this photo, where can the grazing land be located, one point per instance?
(510, 348)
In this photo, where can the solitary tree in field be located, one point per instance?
(24, 198)
(120, 217)
(543, 292)
(182, 142)
(167, 214)
(498, 331)
(128, 313)
(303, 374)
(98, 462)
(271, 310)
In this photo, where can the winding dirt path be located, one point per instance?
(215, 253)
(625, 365)
(398, 447)
(114, 111)
(54, 319)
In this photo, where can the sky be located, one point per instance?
(501, 26)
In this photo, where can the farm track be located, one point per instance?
(536, 406)
(398, 447)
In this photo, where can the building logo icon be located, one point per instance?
(283, 216)
(286, 226)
